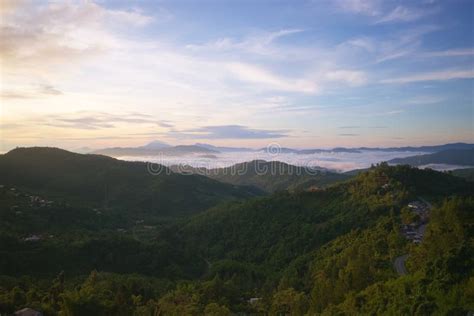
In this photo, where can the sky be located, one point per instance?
(302, 74)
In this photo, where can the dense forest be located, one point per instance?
(331, 251)
(270, 176)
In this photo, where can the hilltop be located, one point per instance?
(459, 157)
(289, 252)
(270, 176)
(160, 148)
(100, 181)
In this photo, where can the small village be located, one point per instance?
(28, 201)
(416, 230)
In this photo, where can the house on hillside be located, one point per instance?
(254, 300)
(28, 312)
(32, 238)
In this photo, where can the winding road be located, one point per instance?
(399, 263)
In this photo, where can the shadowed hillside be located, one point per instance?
(101, 181)
(270, 176)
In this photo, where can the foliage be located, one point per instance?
(325, 252)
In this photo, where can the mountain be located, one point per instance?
(224, 149)
(467, 173)
(279, 150)
(335, 150)
(95, 180)
(270, 227)
(156, 144)
(154, 149)
(428, 149)
(159, 148)
(431, 149)
(269, 176)
(328, 252)
(325, 248)
(460, 157)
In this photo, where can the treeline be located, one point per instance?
(325, 252)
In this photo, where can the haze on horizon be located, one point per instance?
(303, 74)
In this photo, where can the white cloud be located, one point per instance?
(363, 42)
(366, 7)
(433, 76)
(449, 53)
(255, 74)
(42, 44)
(256, 44)
(399, 45)
(425, 99)
(353, 78)
(380, 12)
(404, 14)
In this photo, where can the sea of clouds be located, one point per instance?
(337, 161)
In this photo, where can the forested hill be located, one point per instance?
(315, 249)
(270, 176)
(280, 227)
(99, 181)
(461, 157)
(326, 252)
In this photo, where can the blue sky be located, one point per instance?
(244, 73)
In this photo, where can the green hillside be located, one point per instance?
(461, 157)
(99, 181)
(325, 252)
(467, 173)
(270, 176)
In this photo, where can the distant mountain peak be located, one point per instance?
(156, 144)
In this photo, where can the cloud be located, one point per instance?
(357, 127)
(255, 74)
(349, 127)
(30, 92)
(378, 10)
(58, 32)
(394, 112)
(93, 120)
(5, 126)
(432, 76)
(404, 14)
(228, 132)
(348, 135)
(394, 46)
(365, 7)
(363, 42)
(166, 124)
(353, 78)
(256, 44)
(425, 99)
(449, 53)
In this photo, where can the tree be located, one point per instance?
(214, 309)
(289, 302)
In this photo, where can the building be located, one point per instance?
(27, 312)
(32, 238)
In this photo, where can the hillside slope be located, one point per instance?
(277, 227)
(101, 181)
(270, 176)
(461, 157)
(329, 251)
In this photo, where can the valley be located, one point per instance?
(250, 251)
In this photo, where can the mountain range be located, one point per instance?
(128, 238)
(269, 176)
(460, 157)
(100, 181)
(160, 148)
